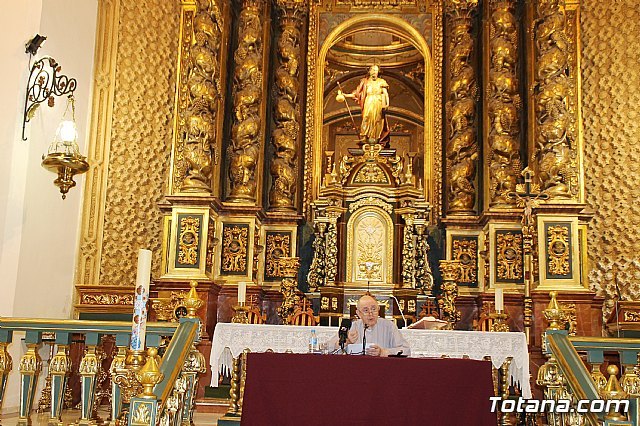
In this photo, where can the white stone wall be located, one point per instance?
(38, 230)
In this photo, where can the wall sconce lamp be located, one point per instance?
(44, 84)
(64, 156)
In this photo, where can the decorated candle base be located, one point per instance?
(135, 360)
(499, 321)
(240, 316)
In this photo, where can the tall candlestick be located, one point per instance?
(139, 327)
(242, 292)
(499, 300)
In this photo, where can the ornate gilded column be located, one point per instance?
(331, 248)
(408, 252)
(450, 270)
(503, 104)
(245, 153)
(423, 274)
(317, 272)
(30, 367)
(462, 150)
(555, 142)
(60, 369)
(89, 369)
(195, 149)
(118, 365)
(192, 202)
(286, 106)
(6, 363)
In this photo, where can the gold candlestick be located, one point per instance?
(499, 321)
(241, 314)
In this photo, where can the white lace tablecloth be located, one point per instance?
(229, 340)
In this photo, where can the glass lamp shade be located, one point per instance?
(67, 131)
(65, 141)
(64, 157)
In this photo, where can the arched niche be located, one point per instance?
(420, 124)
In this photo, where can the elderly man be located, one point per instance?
(382, 337)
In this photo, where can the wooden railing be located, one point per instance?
(145, 389)
(566, 376)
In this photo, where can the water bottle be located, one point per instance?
(313, 342)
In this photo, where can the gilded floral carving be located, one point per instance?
(189, 240)
(509, 263)
(107, 299)
(235, 239)
(278, 245)
(466, 251)
(202, 92)
(558, 250)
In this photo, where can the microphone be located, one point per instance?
(400, 309)
(364, 339)
(343, 332)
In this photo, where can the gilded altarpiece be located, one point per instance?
(198, 38)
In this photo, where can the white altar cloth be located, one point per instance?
(423, 343)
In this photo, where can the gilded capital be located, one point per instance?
(460, 7)
(450, 270)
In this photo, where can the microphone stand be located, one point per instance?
(400, 309)
(364, 339)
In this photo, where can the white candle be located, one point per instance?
(242, 292)
(144, 268)
(139, 326)
(499, 300)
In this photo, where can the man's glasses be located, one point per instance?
(368, 311)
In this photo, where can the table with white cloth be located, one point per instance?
(229, 340)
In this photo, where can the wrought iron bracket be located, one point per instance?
(45, 82)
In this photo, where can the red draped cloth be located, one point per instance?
(293, 389)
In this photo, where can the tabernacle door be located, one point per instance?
(370, 247)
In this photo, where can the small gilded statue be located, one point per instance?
(373, 98)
